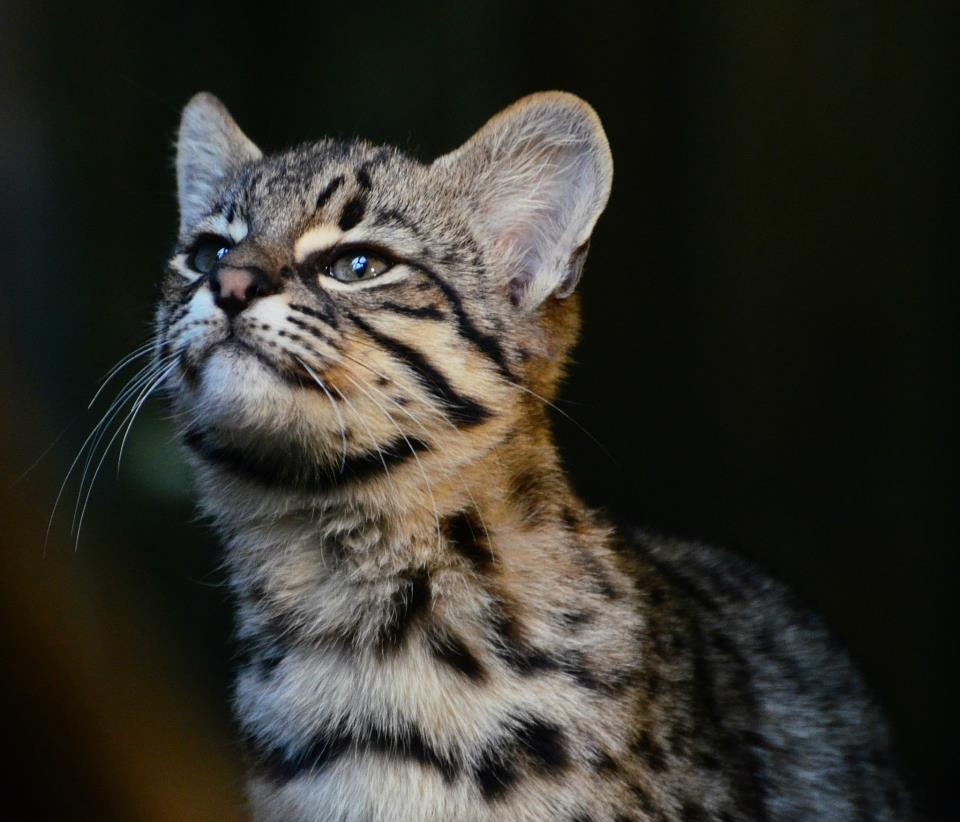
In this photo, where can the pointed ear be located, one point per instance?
(540, 174)
(210, 147)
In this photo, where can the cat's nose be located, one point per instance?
(235, 288)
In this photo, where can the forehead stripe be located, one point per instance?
(353, 212)
(329, 191)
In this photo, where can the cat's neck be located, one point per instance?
(284, 547)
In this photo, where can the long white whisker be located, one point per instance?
(559, 410)
(138, 352)
(366, 428)
(136, 409)
(69, 473)
(106, 450)
(141, 378)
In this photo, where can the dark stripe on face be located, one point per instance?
(484, 342)
(425, 312)
(463, 410)
(274, 462)
(410, 601)
(280, 764)
(534, 741)
(312, 330)
(453, 652)
(352, 213)
(324, 314)
(466, 535)
(329, 190)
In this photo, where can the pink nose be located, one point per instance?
(235, 288)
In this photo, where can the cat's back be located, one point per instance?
(753, 697)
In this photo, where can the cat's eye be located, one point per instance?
(207, 252)
(358, 264)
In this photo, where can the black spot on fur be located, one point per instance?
(511, 646)
(352, 213)
(538, 743)
(648, 749)
(453, 652)
(545, 744)
(528, 491)
(466, 535)
(494, 775)
(410, 601)
(602, 762)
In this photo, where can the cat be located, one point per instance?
(361, 350)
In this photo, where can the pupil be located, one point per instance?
(359, 265)
(221, 252)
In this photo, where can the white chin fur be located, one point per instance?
(237, 390)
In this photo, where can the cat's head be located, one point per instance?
(340, 311)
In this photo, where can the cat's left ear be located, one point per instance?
(210, 148)
(539, 173)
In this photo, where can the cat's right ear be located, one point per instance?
(210, 148)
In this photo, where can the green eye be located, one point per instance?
(357, 265)
(207, 252)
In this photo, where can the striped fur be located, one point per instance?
(430, 625)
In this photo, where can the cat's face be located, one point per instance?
(341, 312)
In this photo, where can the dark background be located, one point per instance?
(767, 347)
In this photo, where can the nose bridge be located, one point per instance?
(256, 257)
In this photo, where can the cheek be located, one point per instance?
(196, 320)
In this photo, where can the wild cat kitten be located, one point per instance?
(433, 626)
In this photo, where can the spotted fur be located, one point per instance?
(430, 625)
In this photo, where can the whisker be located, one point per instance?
(366, 428)
(136, 409)
(443, 417)
(413, 451)
(70, 470)
(333, 404)
(140, 400)
(560, 411)
(141, 378)
(139, 351)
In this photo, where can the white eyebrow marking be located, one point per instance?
(237, 230)
(316, 239)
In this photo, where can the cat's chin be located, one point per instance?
(235, 387)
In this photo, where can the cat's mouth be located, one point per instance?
(234, 361)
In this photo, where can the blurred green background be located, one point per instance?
(768, 346)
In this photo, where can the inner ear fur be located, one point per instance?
(210, 148)
(539, 174)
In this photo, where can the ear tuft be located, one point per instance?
(540, 172)
(210, 147)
